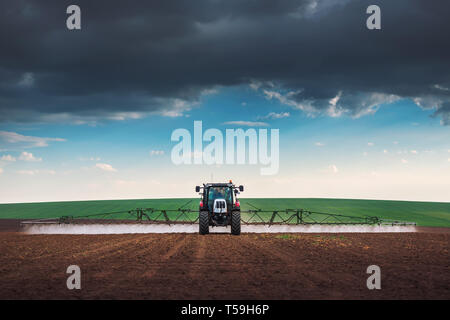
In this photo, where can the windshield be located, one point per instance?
(219, 193)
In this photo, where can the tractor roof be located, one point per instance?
(207, 185)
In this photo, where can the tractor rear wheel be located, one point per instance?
(236, 223)
(203, 222)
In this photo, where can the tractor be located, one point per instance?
(219, 206)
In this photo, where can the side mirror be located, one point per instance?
(241, 188)
(197, 189)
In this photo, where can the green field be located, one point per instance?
(423, 213)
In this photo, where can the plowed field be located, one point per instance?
(221, 266)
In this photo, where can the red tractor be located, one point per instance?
(219, 206)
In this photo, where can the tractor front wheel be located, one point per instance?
(236, 223)
(203, 222)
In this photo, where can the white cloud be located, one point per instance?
(287, 99)
(370, 144)
(122, 116)
(27, 80)
(211, 91)
(371, 103)
(105, 167)
(333, 168)
(428, 102)
(166, 107)
(395, 142)
(178, 107)
(274, 115)
(385, 151)
(437, 86)
(247, 123)
(413, 151)
(255, 85)
(1, 169)
(157, 152)
(244, 104)
(65, 117)
(8, 138)
(173, 107)
(333, 110)
(319, 144)
(368, 103)
(365, 154)
(28, 156)
(28, 172)
(33, 172)
(171, 113)
(404, 161)
(8, 157)
(90, 159)
(335, 100)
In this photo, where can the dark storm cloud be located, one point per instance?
(444, 112)
(138, 57)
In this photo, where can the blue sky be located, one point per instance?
(398, 152)
(88, 113)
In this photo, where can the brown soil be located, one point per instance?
(221, 266)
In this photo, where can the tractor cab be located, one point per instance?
(217, 195)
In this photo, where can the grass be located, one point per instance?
(423, 213)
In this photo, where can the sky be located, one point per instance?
(88, 114)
